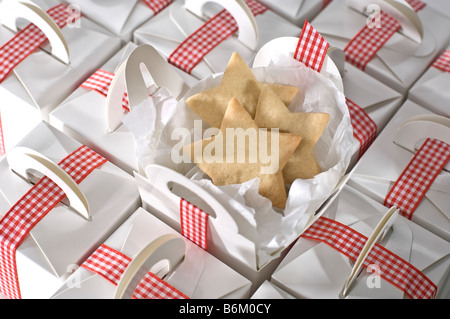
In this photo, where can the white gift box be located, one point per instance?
(173, 25)
(296, 11)
(199, 276)
(385, 160)
(431, 91)
(121, 18)
(84, 114)
(401, 61)
(269, 291)
(315, 270)
(439, 5)
(62, 238)
(41, 81)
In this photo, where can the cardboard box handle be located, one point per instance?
(129, 78)
(167, 247)
(400, 10)
(22, 159)
(163, 176)
(248, 29)
(11, 10)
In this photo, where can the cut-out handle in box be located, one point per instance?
(129, 78)
(11, 10)
(22, 159)
(420, 127)
(333, 66)
(167, 247)
(165, 177)
(400, 10)
(248, 29)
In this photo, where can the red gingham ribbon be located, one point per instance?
(27, 40)
(157, 5)
(100, 82)
(363, 47)
(311, 48)
(111, 264)
(393, 269)
(364, 128)
(419, 174)
(443, 62)
(31, 208)
(194, 223)
(192, 50)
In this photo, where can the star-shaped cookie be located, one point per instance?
(238, 82)
(271, 112)
(212, 158)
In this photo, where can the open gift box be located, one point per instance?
(75, 207)
(297, 11)
(402, 49)
(385, 167)
(269, 291)
(244, 229)
(179, 33)
(35, 85)
(371, 103)
(318, 268)
(121, 18)
(198, 276)
(85, 114)
(431, 90)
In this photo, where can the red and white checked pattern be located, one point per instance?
(100, 81)
(194, 223)
(364, 128)
(108, 263)
(189, 53)
(414, 182)
(157, 5)
(27, 40)
(393, 268)
(311, 48)
(153, 287)
(443, 62)
(363, 47)
(31, 208)
(111, 264)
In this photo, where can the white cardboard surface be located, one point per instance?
(47, 255)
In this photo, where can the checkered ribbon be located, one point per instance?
(111, 264)
(192, 50)
(100, 82)
(157, 5)
(414, 182)
(28, 40)
(194, 223)
(311, 48)
(393, 268)
(363, 47)
(364, 128)
(31, 208)
(443, 62)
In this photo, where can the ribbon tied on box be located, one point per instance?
(443, 62)
(18, 222)
(311, 50)
(111, 264)
(23, 44)
(417, 177)
(157, 5)
(393, 269)
(363, 47)
(192, 50)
